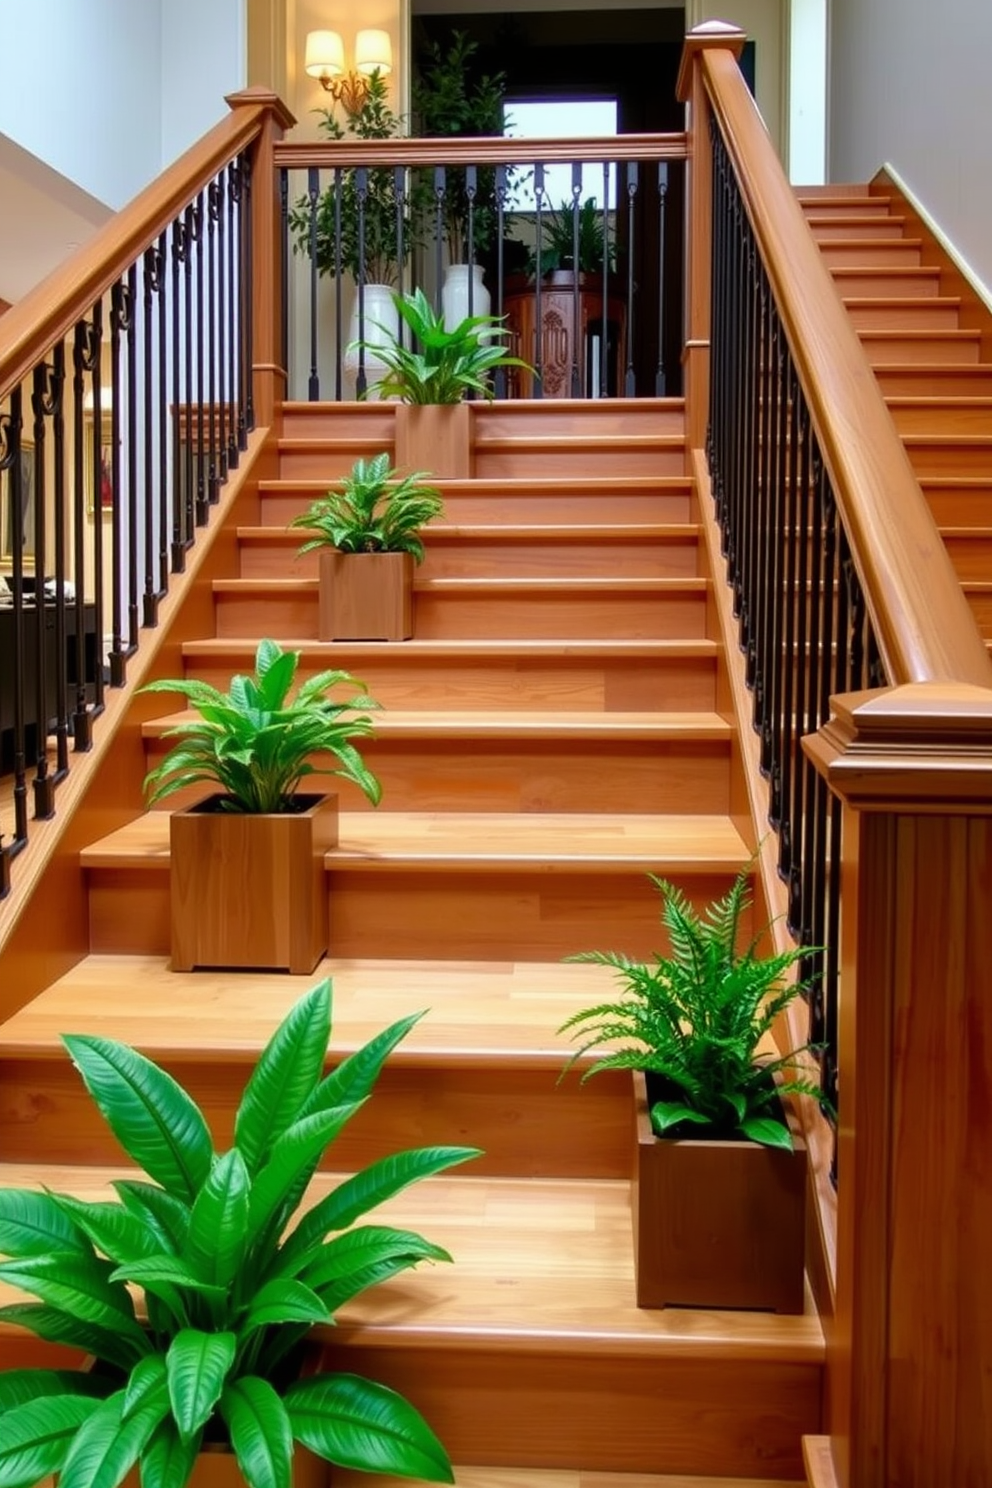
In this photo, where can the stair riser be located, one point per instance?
(373, 422)
(476, 774)
(516, 616)
(844, 207)
(446, 914)
(950, 459)
(981, 608)
(614, 684)
(45, 1115)
(846, 228)
(637, 1415)
(878, 254)
(508, 464)
(543, 418)
(960, 381)
(465, 558)
(868, 284)
(883, 348)
(325, 462)
(518, 505)
(953, 506)
(949, 418)
(918, 315)
(972, 556)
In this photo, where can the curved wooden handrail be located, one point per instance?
(69, 293)
(924, 627)
(479, 150)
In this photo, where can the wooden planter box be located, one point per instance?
(251, 891)
(365, 596)
(436, 437)
(716, 1224)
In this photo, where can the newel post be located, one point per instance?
(691, 91)
(910, 1345)
(269, 375)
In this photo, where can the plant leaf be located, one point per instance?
(17, 1386)
(197, 1365)
(355, 1077)
(78, 1285)
(767, 1131)
(33, 1224)
(283, 1301)
(167, 1461)
(219, 1221)
(362, 1257)
(260, 1432)
(284, 1077)
(357, 1423)
(37, 1436)
(147, 1383)
(106, 1446)
(152, 1117)
(56, 1326)
(666, 1114)
(110, 1228)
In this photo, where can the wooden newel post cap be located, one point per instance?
(257, 94)
(709, 34)
(923, 747)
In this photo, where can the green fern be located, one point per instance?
(696, 1019)
(373, 512)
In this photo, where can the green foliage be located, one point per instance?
(373, 512)
(372, 120)
(451, 99)
(444, 364)
(229, 1294)
(696, 1018)
(558, 231)
(255, 743)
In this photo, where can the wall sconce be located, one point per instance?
(325, 61)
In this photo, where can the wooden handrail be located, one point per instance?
(479, 150)
(924, 627)
(69, 293)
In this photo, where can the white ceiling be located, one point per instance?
(43, 218)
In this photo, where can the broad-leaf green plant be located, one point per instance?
(564, 227)
(233, 1277)
(374, 511)
(441, 365)
(697, 1019)
(255, 741)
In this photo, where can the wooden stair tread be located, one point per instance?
(577, 441)
(510, 485)
(549, 1477)
(949, 401)
(480, 1013)
(517, 724)
(238, 649)
(688, 584)
(513, 531)
(539, 1264)
(438, 840)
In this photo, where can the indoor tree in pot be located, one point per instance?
(719, 1172)
(367, 535)
(431, 378)
(231, 1291)
(247, 879)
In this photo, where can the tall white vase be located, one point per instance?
(454, 294)
(380, 327)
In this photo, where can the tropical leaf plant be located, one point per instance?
(373, 512)
(441, 365)
(255, 741)
(697, 1018)
(569, 226)
(233, 1280)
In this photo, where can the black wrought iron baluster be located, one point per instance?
(223, 331)
(790, 660)
(159, 282)
(630, 385)
(197, 235)
(361, 196)
(804, 540)
(247, 262)
(42, 785)
(538, 379)
(86, 364)
(233, 305)
(338, 297)
(59, 553)
(130, 327)
(150, 610)
(440, 193)
(577, 379)
(11, 445)
(763, 550)
(284, 264)
(499, 381)
(313, 196)
(779, 660)
(604, 340)
(212, 217)
(471, 191)
(716, 431)
(399, 192)
(659, 376)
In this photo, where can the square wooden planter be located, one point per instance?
(251, 891)
(365, 596)
(436, 437)
(716, 1224)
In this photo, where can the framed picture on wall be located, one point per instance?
(105, 496)
(27, 466)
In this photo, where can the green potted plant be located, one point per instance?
(562, 230)
(247, 880)
(719, 1169)
(434, 373)
(367, 535)
(230, 1293)
(340, 239)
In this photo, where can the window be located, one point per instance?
(563, 119)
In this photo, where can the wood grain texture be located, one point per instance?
(364, 596)
(436, 439)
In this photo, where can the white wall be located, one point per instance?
(807, 91)
(81, 87)
(909, 86)
(204, 57)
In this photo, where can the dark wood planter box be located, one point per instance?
(716, 1224)
(365, 596)
(435, 437)
(251, 891)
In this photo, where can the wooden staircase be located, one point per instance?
(929, 340)
(556, 730)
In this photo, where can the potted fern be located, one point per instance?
(719, 1174)
(367, 536)
(196, 1288)
(430, 370)
(247, 880)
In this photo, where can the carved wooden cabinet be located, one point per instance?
(563, 311)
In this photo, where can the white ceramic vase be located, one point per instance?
(380, 326)
(454, 294)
